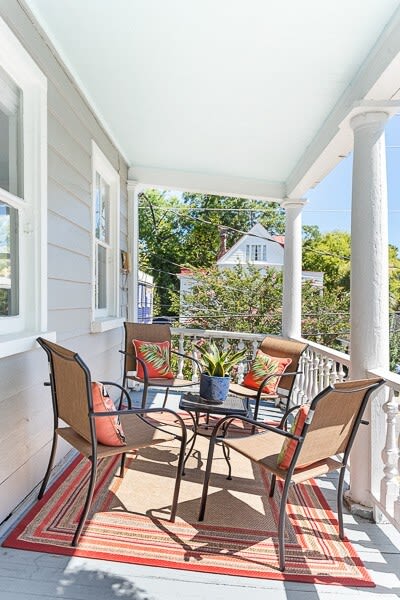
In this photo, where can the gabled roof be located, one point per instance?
(256, 233)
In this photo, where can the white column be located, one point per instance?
(133, 248)
(292, 268)
(369, 338)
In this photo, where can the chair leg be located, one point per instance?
(340, 501)
(144, 396)
(256, 408)
(122, 466)
(49, 466)
(165, 397)
(206, 480)
(178, 480)
(272, 486)
(281, 527)
(89, 497)
(121, 398)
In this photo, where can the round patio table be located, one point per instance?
(197, 406)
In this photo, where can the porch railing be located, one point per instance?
(321, 366)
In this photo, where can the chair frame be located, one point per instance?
(130, 360)
(51, 350)
(269, 345)
(224, 424)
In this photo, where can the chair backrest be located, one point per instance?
(70, 386)
(146, 332)
(338, 411)
(283, 348)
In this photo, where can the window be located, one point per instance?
(106, 243)
(256, 252)
(23, 197)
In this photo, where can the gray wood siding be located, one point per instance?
(26, 423)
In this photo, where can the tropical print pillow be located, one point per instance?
(156, 357)
(263, 365)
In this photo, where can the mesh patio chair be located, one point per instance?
(155, 333)
(72, 397)
(319, 442)
(280, 348)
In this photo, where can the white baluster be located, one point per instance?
(181, 349)
(327, 368)
(305, 376)
(315, 375)
(333, 375)
(341, 372)
(390, 483)
(298, 396)
(310, 387)
(241, 366)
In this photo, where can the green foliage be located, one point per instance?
(330, 253)
(216, 362)
(394, 278)
(394, 341)
(326, 316)
(239, 215)
(238, 299)
(176, 231)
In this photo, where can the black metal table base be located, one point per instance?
(196, 406)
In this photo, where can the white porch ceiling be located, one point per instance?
(231, 96)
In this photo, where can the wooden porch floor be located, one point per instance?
(29, 575)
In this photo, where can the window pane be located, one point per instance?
(11, 155)
(101, 278)
(102, 210)
(9, 292)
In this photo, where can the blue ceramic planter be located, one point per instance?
(214, 389)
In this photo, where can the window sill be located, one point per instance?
(15, 343)
(101, 325)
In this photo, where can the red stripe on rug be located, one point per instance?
(238, 538)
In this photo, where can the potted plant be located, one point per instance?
(216, 369)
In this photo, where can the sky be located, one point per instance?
(329, 203)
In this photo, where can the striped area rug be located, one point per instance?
(129, 521)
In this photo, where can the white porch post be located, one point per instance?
(369, 339)
(292, 268)
(133, 241)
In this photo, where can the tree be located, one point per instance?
(238, 299)
(209, 214)
(326, 316)
(184, 230)
(246, 299)
(394, 278)
(160, 251)
(330, 253)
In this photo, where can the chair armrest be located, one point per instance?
(124, 392)
(221, 422)
(141, 412)
(198, 364)
(282, 422)
(127, 353)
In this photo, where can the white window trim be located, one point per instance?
(16, 61)
(102, 165)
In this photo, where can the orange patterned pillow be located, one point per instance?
(108, 429)
(289, 446)
(156, 357)
(262, 365)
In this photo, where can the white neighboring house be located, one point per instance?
(145, 297)
(257, 248)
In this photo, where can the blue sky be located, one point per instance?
(329, 203)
